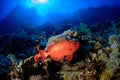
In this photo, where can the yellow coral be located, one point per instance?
(97, 46)
(113, 39)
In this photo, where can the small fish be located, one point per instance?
(58, 51)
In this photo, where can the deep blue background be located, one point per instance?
(17, 13)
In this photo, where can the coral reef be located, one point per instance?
(98, 58)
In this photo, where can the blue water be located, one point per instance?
(15, 14)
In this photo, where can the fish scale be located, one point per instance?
(58, 51)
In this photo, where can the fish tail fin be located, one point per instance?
(37, 58)
(44, 55)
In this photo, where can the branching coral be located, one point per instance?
(64, 36)
(15, 67)
(83, 31)
(113, 61)
(4, 63)
(113, 39)
(111, 65)
(13, 59)
(35, 77)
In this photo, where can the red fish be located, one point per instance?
(58, 51)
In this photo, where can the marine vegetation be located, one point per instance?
(83, 52)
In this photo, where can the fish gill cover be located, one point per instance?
(59, 40)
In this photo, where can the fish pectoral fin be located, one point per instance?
(69, 57)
